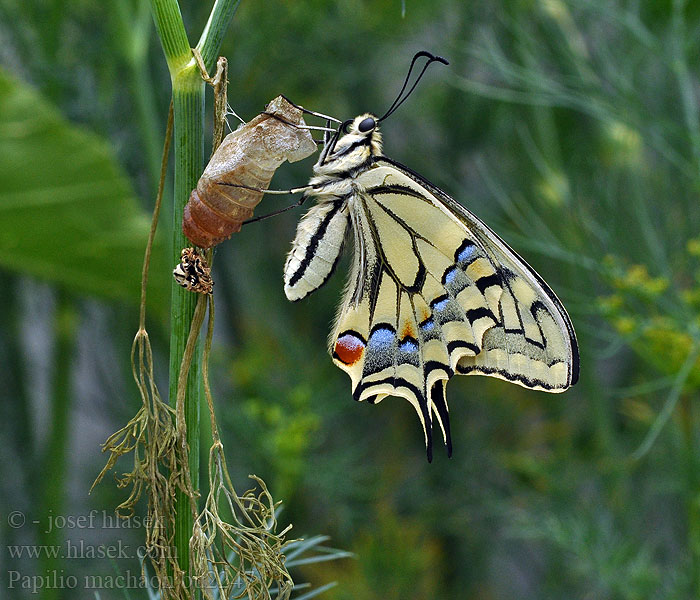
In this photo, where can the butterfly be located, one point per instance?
(432, 292)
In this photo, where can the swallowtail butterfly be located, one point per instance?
(433, 291)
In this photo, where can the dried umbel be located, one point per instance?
(247, 158)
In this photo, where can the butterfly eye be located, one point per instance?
(366, 125)
(345, 127)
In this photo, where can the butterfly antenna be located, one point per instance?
(401, 98)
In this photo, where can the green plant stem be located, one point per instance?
(171, 31)
(188, 109)
(210, 41)
(188, 149)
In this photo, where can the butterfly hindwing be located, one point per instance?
(534, 343)
(434, 292)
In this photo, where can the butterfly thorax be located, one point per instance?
(346, 156)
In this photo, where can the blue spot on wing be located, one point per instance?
(440, 303)
(465, 253)
(450, 275)
(381, 349)
(427, 325)
(408, 345)
(382, 338)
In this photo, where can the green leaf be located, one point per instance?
(67, 210)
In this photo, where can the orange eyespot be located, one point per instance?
(349, 348)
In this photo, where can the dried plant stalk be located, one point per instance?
(239, 555)
(247, 158)
(241, 558)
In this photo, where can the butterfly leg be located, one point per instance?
(277, 212)
(305, 188)
(298, 190)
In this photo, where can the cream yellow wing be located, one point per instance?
(435, 292)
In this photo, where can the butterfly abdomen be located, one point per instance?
(316, 248)
(247, 158)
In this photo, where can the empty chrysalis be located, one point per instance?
(229, 189)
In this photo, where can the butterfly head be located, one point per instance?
(362, 125)
(363, 130)
(353, 144)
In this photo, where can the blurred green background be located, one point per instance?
(570, 127)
